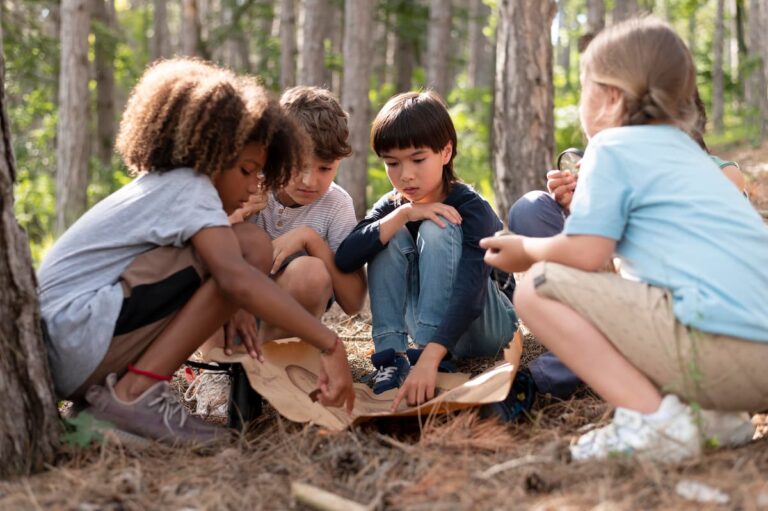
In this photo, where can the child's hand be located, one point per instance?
(561, 184)
(335, 379)
(293, 241)
(506, 253)
(419, 386)
(243, 324)
(432, 211)
(256, 202)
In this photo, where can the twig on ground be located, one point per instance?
(528, 459)
(322, 500)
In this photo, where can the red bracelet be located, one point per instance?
(148, 374)
(332, 349)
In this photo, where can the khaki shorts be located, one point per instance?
(714, 371)
(156, 285)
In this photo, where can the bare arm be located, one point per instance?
(348, 288)
(733, 173)
(518, 253)
(255, 292)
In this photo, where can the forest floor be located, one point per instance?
(443, 462)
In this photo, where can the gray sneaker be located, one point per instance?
(156, 415)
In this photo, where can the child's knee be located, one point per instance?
(525, 296)
(432, 233)
(311, 277)
(255, 245)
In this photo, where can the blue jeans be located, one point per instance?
(411, 283)
(537, 215)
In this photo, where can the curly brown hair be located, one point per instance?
(190, 113)
(319, 113)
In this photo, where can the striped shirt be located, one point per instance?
(332, 216)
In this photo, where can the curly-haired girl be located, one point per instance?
(149, 273)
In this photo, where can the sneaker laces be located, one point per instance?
(168, 406)
(214, 377)
(385, 373)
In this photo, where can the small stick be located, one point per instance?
(528, 459)
(322, 500)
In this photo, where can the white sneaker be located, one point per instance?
(667, 435)
(210, 390)
(726, 429)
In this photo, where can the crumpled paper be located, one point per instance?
(289, 374)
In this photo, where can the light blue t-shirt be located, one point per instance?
(679, 223)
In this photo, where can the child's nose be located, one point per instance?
(306, 177)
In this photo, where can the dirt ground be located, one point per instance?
(438, 463)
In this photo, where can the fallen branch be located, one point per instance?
(322, 500)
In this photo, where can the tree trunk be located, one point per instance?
(758, 96)
(523, 114)
(624, 9)
(190, 28)
(266, 17)
(718, 100)
(28, 418)
(692, 41)
(478, 44)
(595, 16)
(564, 42)
(439, 46)
(335, 32)
(312, 66)
(405, 47)
(104, 12)
(287, 44)
(358, 22)
(161, 44)
(72, 134)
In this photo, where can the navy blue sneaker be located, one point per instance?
(518, 402)
(446, 364)
(391, 370)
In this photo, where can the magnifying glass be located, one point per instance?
(569, 159)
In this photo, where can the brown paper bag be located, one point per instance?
(289, 374)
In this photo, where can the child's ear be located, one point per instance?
(447, 152)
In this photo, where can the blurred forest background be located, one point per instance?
(508, 69)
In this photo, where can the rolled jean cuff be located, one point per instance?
(398, 341)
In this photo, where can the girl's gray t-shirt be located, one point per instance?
(78, 281)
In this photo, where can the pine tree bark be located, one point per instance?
(161, 44)
(595, 16)
(190, 28)
(28, 417)
(439, 46)
(523, 114)
(287, 44)
(104, 55)
(718, 79)
(478, 44)
(358, 22)
(405, 47)
(72, 149)
(624, 9)
(312, 66)
(758, 92)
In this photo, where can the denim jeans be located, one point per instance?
(537, 215)
(411, 283)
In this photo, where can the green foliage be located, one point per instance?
(83, 430)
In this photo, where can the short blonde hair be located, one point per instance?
(651, 65)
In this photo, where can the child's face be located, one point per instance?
(310, 183)
(417, 172)
(236, 184)
(599, 107)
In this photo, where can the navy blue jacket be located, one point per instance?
(471, 286)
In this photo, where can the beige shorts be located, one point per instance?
(715, 371)
(156, 285)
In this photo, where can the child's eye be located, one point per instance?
(246, 172)
(390, 163)
(419, 160)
